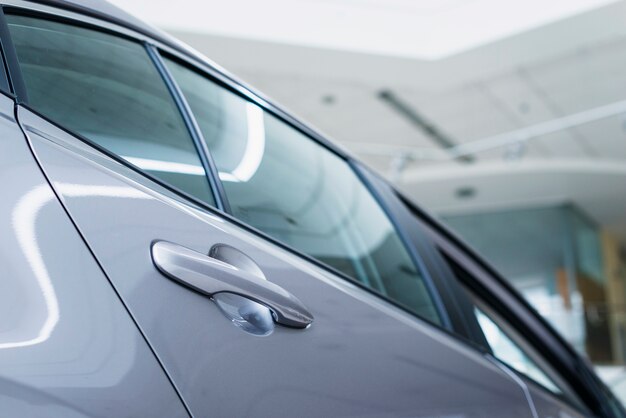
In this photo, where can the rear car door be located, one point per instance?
(278, 221)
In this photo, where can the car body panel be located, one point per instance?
(361, 356)
(548, 405)
(67, 345)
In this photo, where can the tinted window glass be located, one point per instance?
(106, 89)
(288, 186)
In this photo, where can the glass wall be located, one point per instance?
(568, 268)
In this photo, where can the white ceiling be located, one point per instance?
(554, 60)
(423, 29)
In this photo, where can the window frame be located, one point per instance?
(198, 63)
(356, 167)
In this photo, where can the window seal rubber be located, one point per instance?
(206, 158)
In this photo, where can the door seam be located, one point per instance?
(519, 381)
(60, 199)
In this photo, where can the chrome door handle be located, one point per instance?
(209, 276)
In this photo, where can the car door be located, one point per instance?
(129, 163)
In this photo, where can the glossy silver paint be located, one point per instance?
(68, 347)
(361, 356)
(548, 406)
(209, 275)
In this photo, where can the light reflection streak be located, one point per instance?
(247, 167)
(166, 166)
(255, 147)
(24, 219)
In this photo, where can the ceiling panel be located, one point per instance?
(594, 76)
(526, 106)
(464, 114)
(607, 137)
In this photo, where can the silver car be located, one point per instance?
(173, 244)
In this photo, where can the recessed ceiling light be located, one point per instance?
(524, 108)
(328, 99)
(465, 192)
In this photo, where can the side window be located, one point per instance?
(288, 186)
(506, 349)
(107, 89)
(511, 347)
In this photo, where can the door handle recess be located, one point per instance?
(209, 276)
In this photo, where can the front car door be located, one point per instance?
(116, 136)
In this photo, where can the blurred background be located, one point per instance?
(505, 119)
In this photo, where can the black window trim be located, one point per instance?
(443, 309)
(423, 247)
(210, 169)
(233, 85)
